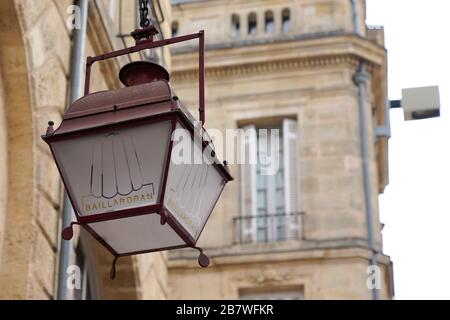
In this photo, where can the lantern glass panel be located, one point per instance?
(114, 170)
(135, 234)
(193, 185)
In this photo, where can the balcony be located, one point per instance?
(268, 228)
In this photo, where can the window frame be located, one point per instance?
(286, 20)
(270, 222)
(269, 15)
(235, 26)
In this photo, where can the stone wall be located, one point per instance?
(35, 66)
(323, 274)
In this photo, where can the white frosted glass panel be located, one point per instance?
(138, 233)
(192, 189)
(117, 170)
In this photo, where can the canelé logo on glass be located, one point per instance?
(117, 181)
(185, 199)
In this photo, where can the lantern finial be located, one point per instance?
(50, 129)
(140, 72)
(67, 233)
(203, 259)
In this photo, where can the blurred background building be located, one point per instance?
(305, 67)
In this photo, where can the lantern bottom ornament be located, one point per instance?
(118, 154)
(67, 234)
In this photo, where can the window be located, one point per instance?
(269, 192)
(174, 29)
(286, 20)
(235, 26)
(269, 25)
(252, 24)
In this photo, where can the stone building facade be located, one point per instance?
(270, 64)
(288, 65)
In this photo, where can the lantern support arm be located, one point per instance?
(149, 44)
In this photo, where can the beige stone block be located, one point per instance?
(309, 150)
(152, 270)
(322, 167)
(31, 10)
(332, 114)
(152, 288)
(339, 148)
(329, 202)
(14, 287)
(54, 31)
(13, 61)
(48, 178)
(63, 8)
(160, 266)
(48, 38)
(353, 163)
(338, 184)
(308, 115)
(50, 85)
(35, 42)
(43, 265)
(48, 219)
(36, 291)
(325, 132)
(310, 185)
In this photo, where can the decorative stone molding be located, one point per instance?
(269, 276)
(271, 66)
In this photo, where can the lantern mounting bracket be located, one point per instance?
(144, 34)
(143, 44)
(143, 8)
(112, 273)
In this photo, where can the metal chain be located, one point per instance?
(143, 8)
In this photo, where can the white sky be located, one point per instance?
(415, 206)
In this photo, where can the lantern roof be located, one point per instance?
(105, 108)
(123, 98)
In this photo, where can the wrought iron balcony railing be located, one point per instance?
(268, 228)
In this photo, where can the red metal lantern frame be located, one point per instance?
(169, 109)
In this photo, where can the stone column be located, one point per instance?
(277, 20)
(244, 25)
(260, 23)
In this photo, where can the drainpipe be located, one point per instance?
(361, 77)
(76, 91)
(356, 16)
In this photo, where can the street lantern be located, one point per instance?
(118, 156)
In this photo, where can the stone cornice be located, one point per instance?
(258, 41)
(258, 253)
(271, 66)
(279, 56)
